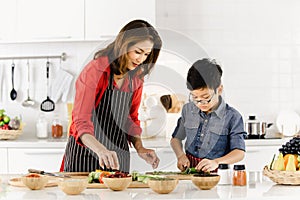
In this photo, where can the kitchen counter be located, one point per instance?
(156, 142)
(184, 190)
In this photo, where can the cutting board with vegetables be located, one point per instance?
(177, 175)
(133, 184)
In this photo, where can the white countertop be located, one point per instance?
(184, 190)
(155, 142)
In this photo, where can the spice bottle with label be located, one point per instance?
(57, 128)
(239, 175)
(224, 172)
(42, 127)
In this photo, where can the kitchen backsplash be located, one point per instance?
(256, 42)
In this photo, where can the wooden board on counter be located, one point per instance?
(17, 182)
(174, 175)
(134, 184)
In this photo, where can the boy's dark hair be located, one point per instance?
(204, 73)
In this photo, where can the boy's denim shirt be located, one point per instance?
(210, 136)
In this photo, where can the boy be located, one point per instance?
(213, 130)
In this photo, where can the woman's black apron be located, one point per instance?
(109, 120)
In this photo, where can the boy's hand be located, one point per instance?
(207, 165)
(183, 162)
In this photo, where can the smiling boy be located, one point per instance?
(213, 130)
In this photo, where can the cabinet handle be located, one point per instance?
(53, 37)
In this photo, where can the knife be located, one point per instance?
(48, 173)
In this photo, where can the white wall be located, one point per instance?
(257, 43)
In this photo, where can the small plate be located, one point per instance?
(288, 122)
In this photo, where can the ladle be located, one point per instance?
(13, 93)
(28, 101)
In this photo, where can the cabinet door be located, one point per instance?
(50, 19)
(257, 157)
(20, 160)
(3, 163)
(105, 18)
(7, 19)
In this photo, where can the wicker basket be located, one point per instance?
(10, 134)
(283, 177)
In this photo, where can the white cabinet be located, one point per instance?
(256, 157)
(3, 163)
(8, 21)
(50, 19)
(105, 18)
(21, 159)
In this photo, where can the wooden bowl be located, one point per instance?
(117, 184)
(206, 182)
(163, 185)
(73, 186)
(35, 181)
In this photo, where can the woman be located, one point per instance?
(108, 95)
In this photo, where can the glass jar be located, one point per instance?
(41, 127)
(224, 172)
(57, 128)
(239, 175)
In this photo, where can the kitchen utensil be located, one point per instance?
(13, 93)
(47, 105)
(255, 128)
(48, 173)
(28, 101)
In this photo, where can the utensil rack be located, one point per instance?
(63, 57)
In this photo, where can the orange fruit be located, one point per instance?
(286, 158)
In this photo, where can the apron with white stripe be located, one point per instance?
(109, 120)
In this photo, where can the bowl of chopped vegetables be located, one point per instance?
(118, 181)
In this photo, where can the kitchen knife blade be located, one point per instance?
(48, 173)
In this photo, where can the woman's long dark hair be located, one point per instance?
(134, 32)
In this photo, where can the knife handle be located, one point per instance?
(35, 171)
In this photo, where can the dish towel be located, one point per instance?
(60, 86)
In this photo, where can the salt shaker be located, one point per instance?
(41, 127)
(224, 172)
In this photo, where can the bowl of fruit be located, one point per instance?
(10, 128)
(284, 168)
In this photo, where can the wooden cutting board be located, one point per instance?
(174, 175)
(134, 184)
(53, 181)
(18, 182)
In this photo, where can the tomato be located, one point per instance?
(103, 174)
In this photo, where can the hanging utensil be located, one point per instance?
(47, 105)
(13, 93)
(28, 101)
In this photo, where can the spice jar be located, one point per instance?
(41, 127)
(239, 175)
(224, 172)
(57, 128)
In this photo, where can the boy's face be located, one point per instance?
(205, 99)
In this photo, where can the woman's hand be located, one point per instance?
(207, 165)
(149, 156)
(108, 159)
(183, 162)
